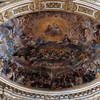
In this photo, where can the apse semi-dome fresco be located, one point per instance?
(50, 50)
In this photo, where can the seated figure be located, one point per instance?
(48, 30)
(40, 40)
(53, 31)
(57, 30)
(66, 40)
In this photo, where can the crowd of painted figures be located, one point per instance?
(35, 54)
(52, 65)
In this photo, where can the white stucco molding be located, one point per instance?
(89, 3)
(91, 9)
(82, 92)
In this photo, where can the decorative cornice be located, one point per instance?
(14, 8)
(12, 90)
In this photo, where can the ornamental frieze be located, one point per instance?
(15, 91)
(85, 10)
(21, 9)
(26, 6)
(53, 5)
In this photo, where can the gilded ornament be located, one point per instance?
(64, 6)
(69, 5)
(31, 6)
(37, 4)
(74, 7)
(97, 15)
(8, 14)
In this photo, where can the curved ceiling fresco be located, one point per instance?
(50, 50)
